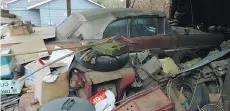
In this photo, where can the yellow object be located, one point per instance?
(169, 66)
(26, 89)
(213, 52)
(181, 97)
(190, 63)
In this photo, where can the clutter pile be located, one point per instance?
(105, 76)
(20, 28)
(7, 17)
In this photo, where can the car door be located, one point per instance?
(149, 32)
(192, 38)
(141, 32)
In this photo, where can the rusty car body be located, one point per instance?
(143, 29)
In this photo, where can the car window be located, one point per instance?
(146, 26)
(116, 28)
(161, 26)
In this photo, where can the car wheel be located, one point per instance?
(105, 63)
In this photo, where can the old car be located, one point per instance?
(142, 29)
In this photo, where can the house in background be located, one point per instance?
(47, 12)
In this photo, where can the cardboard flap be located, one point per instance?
(100, 77)
(36, 44)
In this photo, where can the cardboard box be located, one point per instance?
(25, 103)
(30, 81)
(20, 29)
(7, 65)
(11, 86)
(5, 60)
(35, 44)
(46, 92)
(6, 70)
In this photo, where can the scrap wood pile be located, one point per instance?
(105, 76)
(5, 13)
(7, 17)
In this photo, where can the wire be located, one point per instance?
(220, 91)
(169, 85)
(168, 88)
(192, 13)
(194, 91)
(2, 108)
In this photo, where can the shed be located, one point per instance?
(47, 12)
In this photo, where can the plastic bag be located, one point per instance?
(103, 100)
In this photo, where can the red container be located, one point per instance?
(153, 99)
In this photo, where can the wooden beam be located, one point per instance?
(68, 7)
(127, 3)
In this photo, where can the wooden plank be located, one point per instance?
(4, 11)
(8, 15)
(51, 44)
(40, 32)
(34, 45)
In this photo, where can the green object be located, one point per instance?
(109, 48)
(213, 52)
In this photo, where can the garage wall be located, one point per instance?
(54, 12)
(19, 9)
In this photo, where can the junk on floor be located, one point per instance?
(99, 78)
(20, 28)
(148, 100)
(68, 104)
(7, 65)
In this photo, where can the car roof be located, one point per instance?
(98, 13)
(91, 23)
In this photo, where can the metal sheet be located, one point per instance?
(206, 60)
(226, 89)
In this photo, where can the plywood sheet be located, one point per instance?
(100, 77)
(40, 32)
(35, 44)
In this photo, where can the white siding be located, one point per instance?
(51, 13)
(54, 12)
(19, 9)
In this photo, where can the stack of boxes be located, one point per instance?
(7, 84)
(7, 65)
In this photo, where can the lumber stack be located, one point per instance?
(5, 13)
